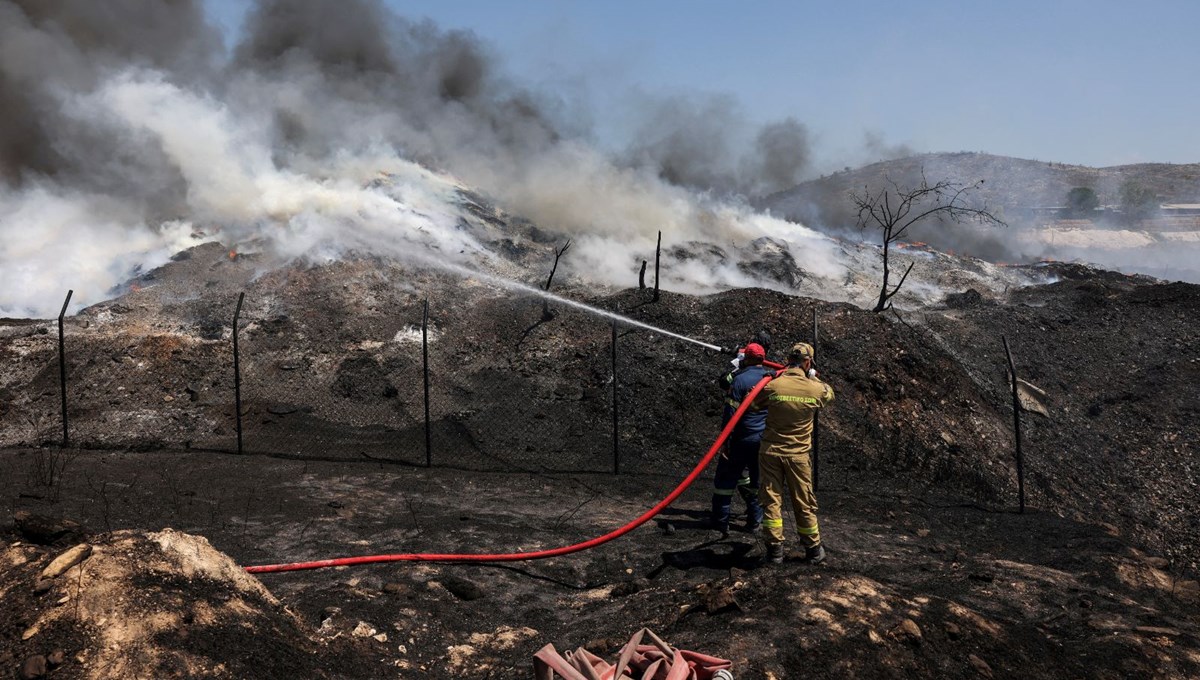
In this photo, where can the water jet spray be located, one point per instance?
(546, 295)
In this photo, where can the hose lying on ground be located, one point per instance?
(537, 554)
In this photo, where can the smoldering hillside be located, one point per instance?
(134, 133)
(930, 564)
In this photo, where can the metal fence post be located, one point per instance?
(616, 431)
(62, 368)
(425, 373)
(816, 433)
(1016, 399)
(237, 373)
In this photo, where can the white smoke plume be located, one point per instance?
(133, 135)
(51, 240)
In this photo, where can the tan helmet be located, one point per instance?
(800, 352)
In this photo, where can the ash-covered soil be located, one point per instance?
(912, 588)
(917, 474)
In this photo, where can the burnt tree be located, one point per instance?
(558, 252)
(657, 253)
(894, 208)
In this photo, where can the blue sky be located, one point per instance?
(1095, 83)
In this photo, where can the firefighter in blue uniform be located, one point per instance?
(737, 467)
(763, 339)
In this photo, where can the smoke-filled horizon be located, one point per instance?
(132, 132)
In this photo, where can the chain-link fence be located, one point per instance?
(569, 392)
(492, 384)
(508, 389)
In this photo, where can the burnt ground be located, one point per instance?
(1035, 594)
(917, 476)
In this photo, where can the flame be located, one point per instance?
(133, 288)
(901, 245)
(233, 255)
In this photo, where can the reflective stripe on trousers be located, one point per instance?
(742, 456)
(790, 475)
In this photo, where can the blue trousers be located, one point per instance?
(737, 472)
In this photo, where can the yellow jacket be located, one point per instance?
(791, 400)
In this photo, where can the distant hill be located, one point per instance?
(1011, 185)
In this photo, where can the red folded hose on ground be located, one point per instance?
(537, 554)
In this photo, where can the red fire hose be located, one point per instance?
(537, 554)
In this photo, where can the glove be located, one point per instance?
(812, 373)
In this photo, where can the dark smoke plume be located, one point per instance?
(348, 72)
(686, 140)
(334, 74)
(69, 45)
(348, 36)
(782, 156)
(131, 133)
(876, 148)
(55, 49)
(706, 143)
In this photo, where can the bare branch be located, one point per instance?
(900, 318)
(893, 208)
(901, 283)
(558, 252)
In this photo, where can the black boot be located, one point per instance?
(815, 554)
(774, 553)
(754, 513)
(714, 524)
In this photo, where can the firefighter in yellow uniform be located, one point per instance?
(784, 460)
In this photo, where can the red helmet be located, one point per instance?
(754, 353)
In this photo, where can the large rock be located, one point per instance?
(67, 560)
(981, 667)
(908, 632)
